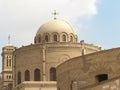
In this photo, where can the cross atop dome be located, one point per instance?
(55, 14)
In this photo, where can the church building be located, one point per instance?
(33, 67)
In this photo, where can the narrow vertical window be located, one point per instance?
(9, 77)
(27, 75)
(55, 38)
(39, 39)
(37, 75)
(19, 77)
(64, 38)
(52, 74)
(9, 62)
(71, 38)
(46, 38)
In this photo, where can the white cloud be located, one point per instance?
(26, 9)
(23, 17)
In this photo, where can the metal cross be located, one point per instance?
(55, 13)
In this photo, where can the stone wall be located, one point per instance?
(45, 56)
(31, 85)
(86, 68)
(112, 84)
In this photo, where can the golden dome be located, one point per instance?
(58, 26)
(55, 31)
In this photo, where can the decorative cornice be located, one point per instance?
(6, 72)
(36, 83)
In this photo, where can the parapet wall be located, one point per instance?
(86, 68)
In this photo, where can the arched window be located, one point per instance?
(46, 38)
(27, 75)
(9, 77)
(55, 37)
(71, 38)
(10, 62)
(64, 38)
(39, 39)
(19, 77)
(52, 74)
(7, 61)
(37, 75)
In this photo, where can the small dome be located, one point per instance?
(55, 31)
(9, 47)
(58, 26)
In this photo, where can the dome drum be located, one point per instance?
(53, 38)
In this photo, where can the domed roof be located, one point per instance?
(56, 25)
(9, 47)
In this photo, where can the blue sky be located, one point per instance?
(95, 21)
(104, 28)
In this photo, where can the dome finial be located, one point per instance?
(55, 13)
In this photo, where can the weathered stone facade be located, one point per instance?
(111, 84)
(7, 66)
(32, 85)
(87, 69)
(54, 43)
(31, 57)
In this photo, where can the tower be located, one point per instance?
(7, 59)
